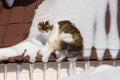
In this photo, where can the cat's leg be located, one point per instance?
(60, 55)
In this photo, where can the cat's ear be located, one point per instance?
(47, 24)
(40, 25)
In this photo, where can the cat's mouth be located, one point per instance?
(46, 33)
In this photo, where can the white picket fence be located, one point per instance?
(44, 71)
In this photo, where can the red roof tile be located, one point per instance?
(16, 20)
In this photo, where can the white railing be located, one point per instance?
(45, 71)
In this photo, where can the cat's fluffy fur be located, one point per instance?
(70, 41)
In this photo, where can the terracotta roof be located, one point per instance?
(16, 21)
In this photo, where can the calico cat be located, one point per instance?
(70, 41)
(72, 48)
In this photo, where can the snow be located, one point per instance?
(113, 36)
(100, 33)
(87, 15)
(29, 48)
(10, 2)
(80, 17)
(7, 52)
(103, 72)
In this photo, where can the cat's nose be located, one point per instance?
(10, 2)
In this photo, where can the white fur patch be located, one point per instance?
(67, 37)
(54, 33)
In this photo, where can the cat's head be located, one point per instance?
(45, 27)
